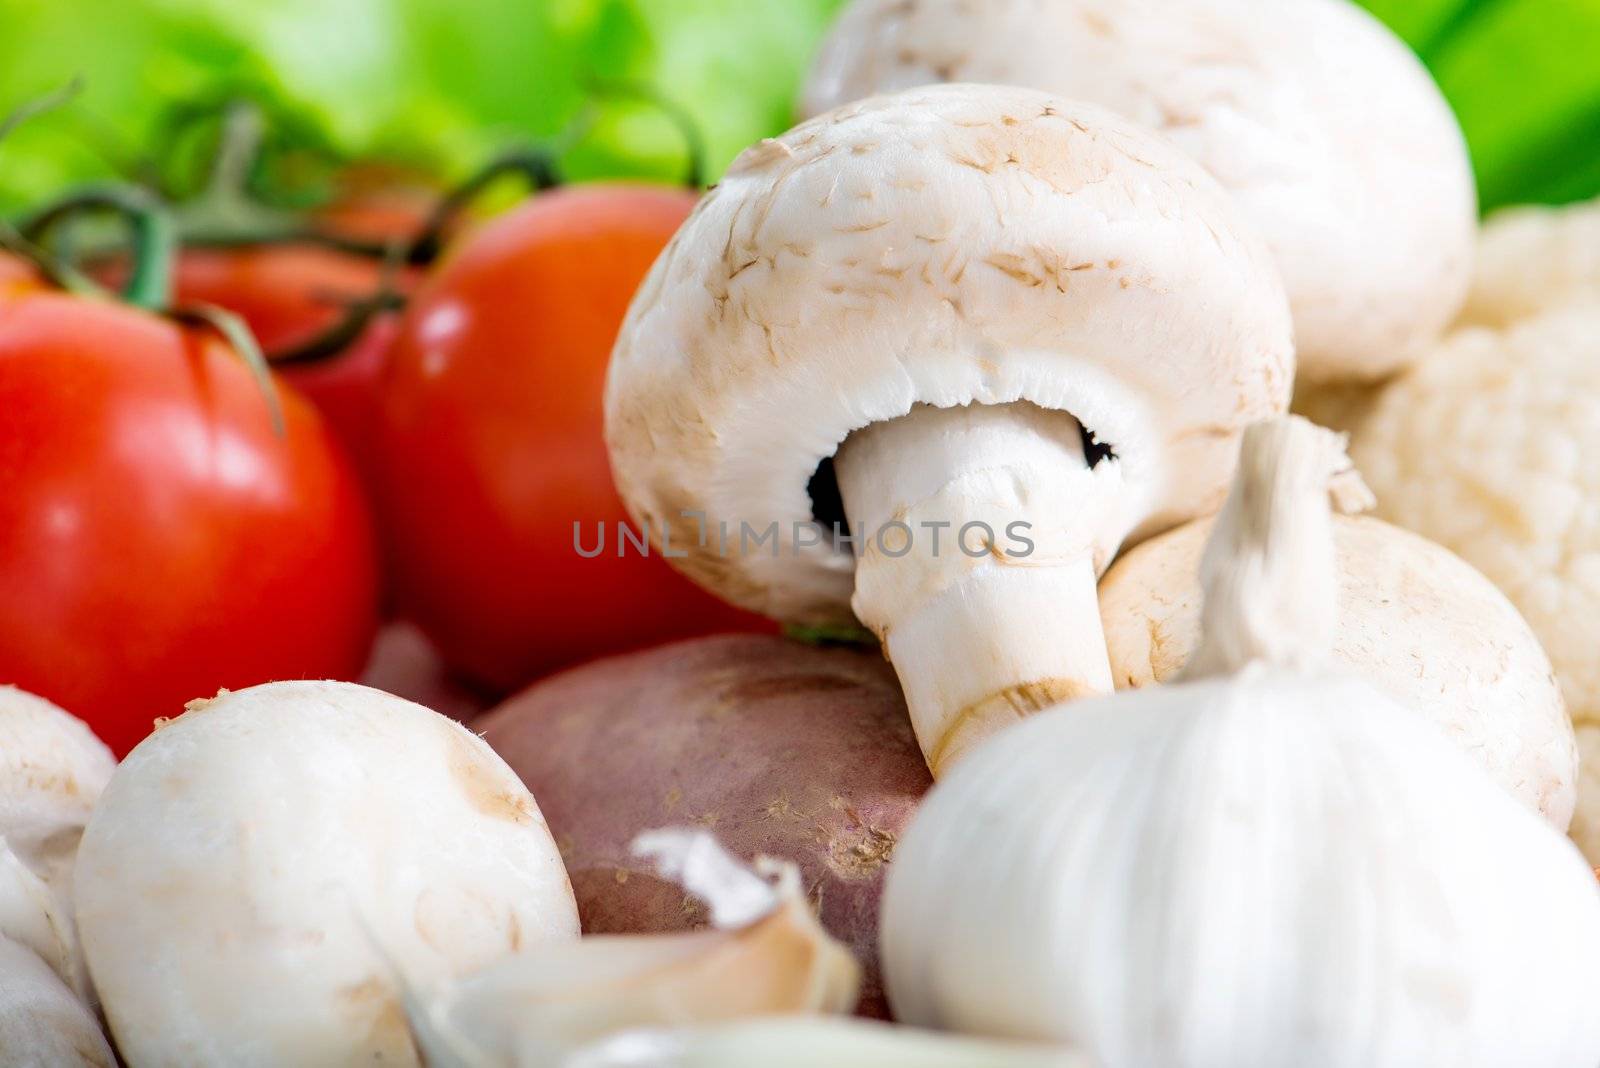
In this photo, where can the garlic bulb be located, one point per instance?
(812, 1042)
(765, 954)
(248, 859)
(1264, 865)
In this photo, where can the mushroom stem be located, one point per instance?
(975, 567)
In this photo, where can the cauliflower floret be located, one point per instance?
(1415, 621)
(1491, 447)
(1533, 259)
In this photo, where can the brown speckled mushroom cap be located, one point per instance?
(946, 246)
(1326, 129)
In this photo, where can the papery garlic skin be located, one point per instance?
(812, 1042)
(257, 865)
(765, 954)
(1258, 872)
(42, 1023)
(1415, 620)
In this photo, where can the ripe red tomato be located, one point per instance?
(17, 275)
(158, 539)
(290, 294)
(492, 442)
(379, 202)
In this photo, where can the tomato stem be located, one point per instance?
(154, 240)
(535, 166)
(829, 634)
(226, 214)
(358, 316)
(237, 333)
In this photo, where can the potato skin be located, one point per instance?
(782, 749)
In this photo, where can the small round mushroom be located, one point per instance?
(257, 865)
(1321, 123)
(52, 769)
(1415, 620)
(987, 333)
(42, 1024)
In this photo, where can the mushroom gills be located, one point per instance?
(975, 564)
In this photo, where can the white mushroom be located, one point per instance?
(42, 1023)
(1029, 330)
(1320, 122)
(248, 860)
(1415, 620)
(52, 768)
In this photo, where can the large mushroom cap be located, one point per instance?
(947, 246)
(1323, 125)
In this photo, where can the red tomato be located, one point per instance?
(17, 275)
(492, 443)
(379, 202)
(290, 294)
(158, 539)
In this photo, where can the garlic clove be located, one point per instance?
(772, 957)
(809, 1042)
(42, 1023)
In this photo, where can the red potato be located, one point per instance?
(404, 664)
(781, 749)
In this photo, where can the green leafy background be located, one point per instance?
(441, 83)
